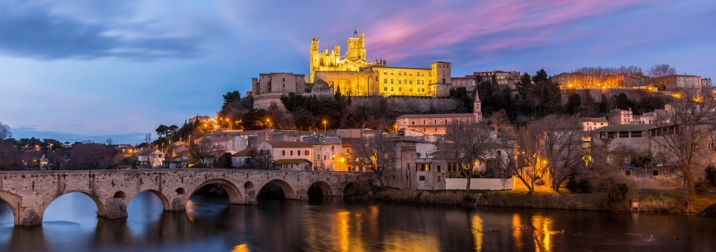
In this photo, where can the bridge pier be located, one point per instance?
(115, 208)
(28, 216)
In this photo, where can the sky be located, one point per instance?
(92, 70)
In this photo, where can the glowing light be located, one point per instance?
(241, 248)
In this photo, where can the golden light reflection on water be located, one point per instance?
(400, 241)
(477, 231)
(517, 231)
(190, 210)
(343, 230)
(241, 248)
(542, 233)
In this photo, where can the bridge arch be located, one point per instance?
(319, 188)
(288, 191)
(161, 196)
(231, 189)
(101, 207)
(13, 201)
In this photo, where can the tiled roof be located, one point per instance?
(456, 115)
(287, 144)
(291, 161)
(625, 127)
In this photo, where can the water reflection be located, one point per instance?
(209, 224)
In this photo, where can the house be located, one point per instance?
(328, 153)
(283, 150)
(239, 159)
(150, 158)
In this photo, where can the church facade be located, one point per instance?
(354, 75)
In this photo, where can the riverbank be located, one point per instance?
(657, 202)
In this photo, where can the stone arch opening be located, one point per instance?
(73, 204)
(12, 202)
(353, 190)
(318, 190)
(119, 195)
(180, 190)
(276, 189)
(143, 194)
(220, 187)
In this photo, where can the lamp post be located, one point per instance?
(342, 160)
(324, 125)
(268, 122)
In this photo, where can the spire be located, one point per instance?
(355, 33)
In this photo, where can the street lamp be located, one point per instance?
(342, 160)
(324, 125)
(268, 122)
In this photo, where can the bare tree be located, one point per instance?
(202, 151)
(685, 139)
(90, 156)
(659, 70)
(556, 144)
(466, 144)
(375, 153)
(5, 131)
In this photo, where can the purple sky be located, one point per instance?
(92, 70)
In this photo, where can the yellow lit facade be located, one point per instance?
(355, 76)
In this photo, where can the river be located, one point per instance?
(210, 224)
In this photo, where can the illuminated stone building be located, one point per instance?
(355, 76)
(421, 125)
(675, 81)
(579, 80)
(500, 77)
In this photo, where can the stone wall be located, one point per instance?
(407, 104)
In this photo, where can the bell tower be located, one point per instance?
(356, 47)
(477, 108)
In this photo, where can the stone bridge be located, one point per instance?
(29, 193)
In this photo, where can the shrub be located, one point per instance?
(711, 175)
(616, 192)
(702, 187)
(581, 186)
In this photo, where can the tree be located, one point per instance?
(10, 156)
(467, 145)
(573, 103)
(375, 154)
(5, 131)
(557, 146)
(162, 130)
(686, 135)
(203, 151)
(660, 70)
(91, 156)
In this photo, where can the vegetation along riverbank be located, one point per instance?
(656, 202)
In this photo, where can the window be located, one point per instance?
(291, 153)
(333, 148)
(298, 152)
(655, 172)
(422, 178)
(391, 89)
(385, 80)
(283, 153)
(318, 156)
(400, 89)
(391, 81)
(385, 88)
(305, 152)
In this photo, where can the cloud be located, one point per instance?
(55, 31)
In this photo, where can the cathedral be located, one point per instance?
(354, 75)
